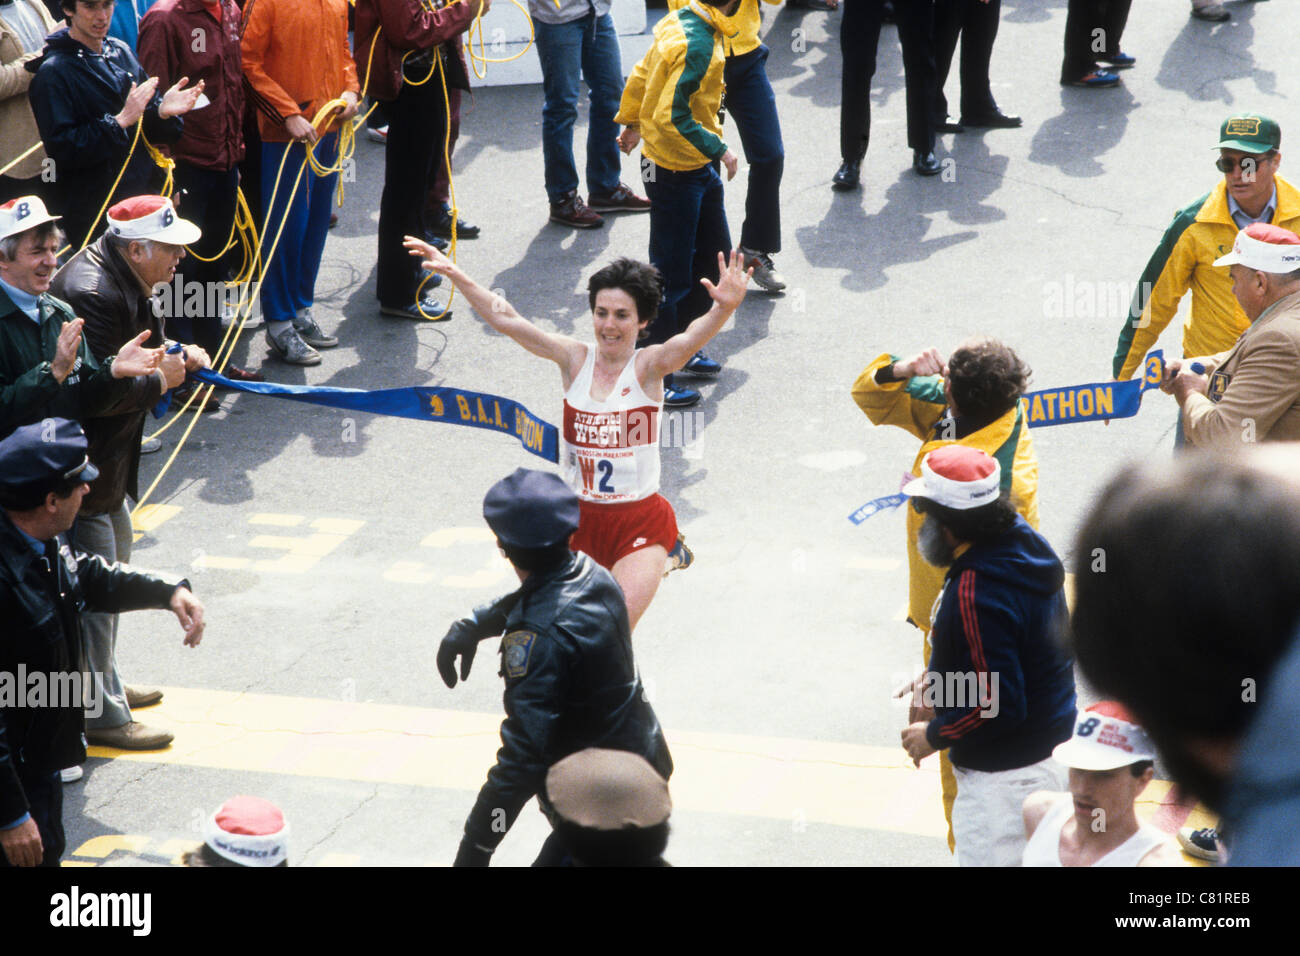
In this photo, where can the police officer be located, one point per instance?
(44, 471)
(566, 658)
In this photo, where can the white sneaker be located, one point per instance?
(71, 774)
(379, 136)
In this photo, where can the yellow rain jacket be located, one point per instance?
(918, 405)
(673, 94)
(1199, 234)
(744, 24)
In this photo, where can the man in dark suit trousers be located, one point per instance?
(859, 35)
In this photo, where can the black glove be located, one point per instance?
(461, 641)
(463, 636)
(470, 854)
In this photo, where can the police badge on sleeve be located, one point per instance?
(516, 649)
(1218, 385)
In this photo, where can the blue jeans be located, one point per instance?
(688, 228)
(753, 107)
(587, 49)
(289, 284)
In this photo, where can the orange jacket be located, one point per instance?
(296, 59)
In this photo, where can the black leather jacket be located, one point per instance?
(571, 683)
(40, 630)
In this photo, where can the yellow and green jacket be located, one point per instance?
(1200, 233)
(673, 94)
(918, 405)
(740, 33)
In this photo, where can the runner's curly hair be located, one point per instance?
(640, 280)
(987, 379)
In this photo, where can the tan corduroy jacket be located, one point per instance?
(1254, 390)
(17, 124)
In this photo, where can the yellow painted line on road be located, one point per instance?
(149, 517)
(101, 846)
(799, 781)
(314, 546)
(278, 520)
(343, 526)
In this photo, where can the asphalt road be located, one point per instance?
(332, 549)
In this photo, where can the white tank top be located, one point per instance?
(611, 448)
(1044, 847)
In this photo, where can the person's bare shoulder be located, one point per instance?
(1035, 808)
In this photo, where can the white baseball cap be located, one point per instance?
(151, 217)
(1105, 737)
(1264, 247)
(19, 215)
(249, 831)
(957, 477)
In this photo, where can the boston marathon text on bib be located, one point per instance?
(611, 448)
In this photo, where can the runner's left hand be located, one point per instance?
(733, 280)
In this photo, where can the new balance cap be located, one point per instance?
(151, 217)
(249, 831)
(957, 477)
(19, 215)
(1105, 737)
(1265, 248)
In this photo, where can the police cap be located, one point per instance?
(39, 458)
(531, 509)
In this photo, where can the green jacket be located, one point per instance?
(28, 389)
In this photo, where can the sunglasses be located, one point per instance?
(1248, 164)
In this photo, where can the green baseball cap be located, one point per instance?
(1250, 133)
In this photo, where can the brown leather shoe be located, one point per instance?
(142, 696)
(572, 211)
(621, 199)
(237, 374)
(132, 736)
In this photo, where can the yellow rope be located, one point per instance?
(477, 27)
(165, 163)
(139, 125)
(23, 156)
(253, 262)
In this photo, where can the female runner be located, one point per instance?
(613, 401)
